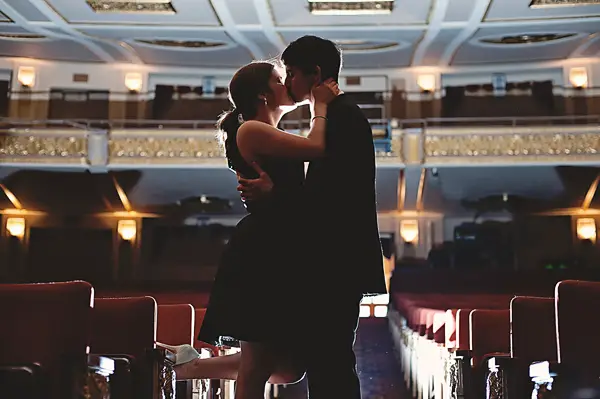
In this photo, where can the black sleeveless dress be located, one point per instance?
(257, 295)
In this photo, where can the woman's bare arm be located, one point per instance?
(255, 139)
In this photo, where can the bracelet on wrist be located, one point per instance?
(318, 116)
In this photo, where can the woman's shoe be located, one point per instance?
(183, 353)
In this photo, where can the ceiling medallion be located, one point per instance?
(21, 36)
(197, 44)
(562, 3)
(364, 45)
(527, 39)
(139, 7)
(350, 7)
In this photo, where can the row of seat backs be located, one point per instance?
(52, 324)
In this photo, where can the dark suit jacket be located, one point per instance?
(340, 212)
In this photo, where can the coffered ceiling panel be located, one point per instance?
(26, 9)
(59, 50)
(271, 46)
(523, 44)
(232, 56)
(244, 12)
(378, 49)
(230, 32)
(459, 10)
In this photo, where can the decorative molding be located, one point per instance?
(60, 22)
(43, 147)
(435, 26)
(222, 11)
(264, 11)
(507, 147)
(201, 148)
(479, 12)
(164, 148)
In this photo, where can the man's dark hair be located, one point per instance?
(308, 52)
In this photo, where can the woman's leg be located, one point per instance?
(287, 370)
(256, 366)
(214, 368)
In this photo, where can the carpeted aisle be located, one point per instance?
(378, 368)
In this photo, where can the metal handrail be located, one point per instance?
(514, 121)
(42, 123)
(145, 123)
(422, 123)
(388, 91)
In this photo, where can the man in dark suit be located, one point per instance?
(344, 258)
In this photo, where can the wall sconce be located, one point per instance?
(26, 76)
(16, 227)
(127, 229)
(426, 82)
(578, 77)
(586, 229)
(409, 230)
(134, 81)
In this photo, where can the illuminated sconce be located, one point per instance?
(134, 81)
(383, 299)
(16, 227)
(586, 229)
(365, 311)
(409, 230)
(578, 77)
(380, 311)
(26, 76)
(426, 82)
(127, 229)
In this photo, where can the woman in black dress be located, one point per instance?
(257, 298)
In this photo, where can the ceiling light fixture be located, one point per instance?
(129, 7)
(365, 45)
(21, 36)
(199, 44)
(350, 7)
(526, 38)
(562, 3)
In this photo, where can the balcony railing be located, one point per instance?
(434, 141)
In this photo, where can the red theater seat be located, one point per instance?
(45, 332)
(175, 324)
(489, 333)
(578, 325)
(533, 329)
(125, 330)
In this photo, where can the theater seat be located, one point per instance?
(125, 330)
(44, 338)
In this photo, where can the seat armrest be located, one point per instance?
(20, 380)
(102, 365)
(498, 361)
